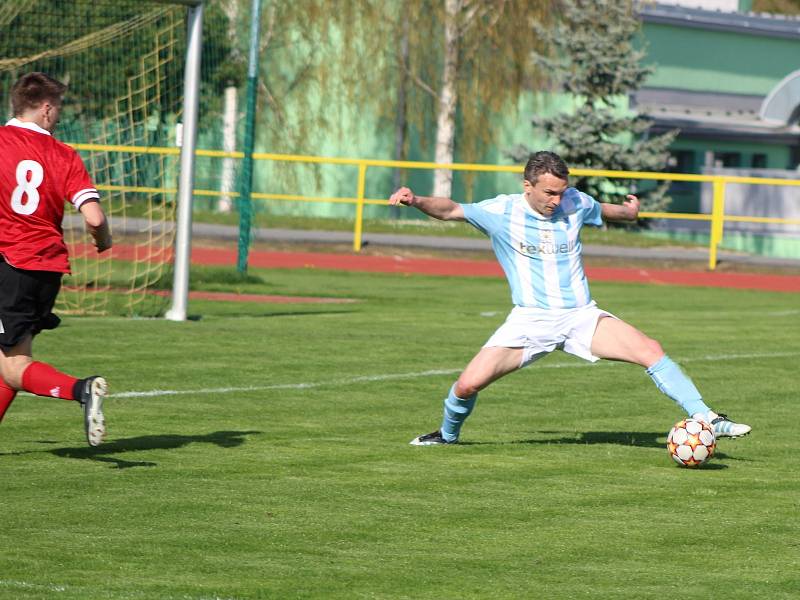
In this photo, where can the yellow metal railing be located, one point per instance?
(717, 217)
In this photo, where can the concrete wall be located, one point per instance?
(750, 200)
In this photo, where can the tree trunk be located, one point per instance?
(229, 111)
(448, 100)
(225, 202)
(401, 122)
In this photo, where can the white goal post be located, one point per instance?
(191, 96)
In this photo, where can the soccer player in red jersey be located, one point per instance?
(38, 174)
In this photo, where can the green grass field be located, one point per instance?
(271, 459)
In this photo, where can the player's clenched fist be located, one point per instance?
(402, 196)
(631, 203)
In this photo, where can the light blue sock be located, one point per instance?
(456, 410)
(674, 383)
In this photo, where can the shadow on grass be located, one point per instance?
(223, 439)
(640, 439)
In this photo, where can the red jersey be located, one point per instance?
(37, 175)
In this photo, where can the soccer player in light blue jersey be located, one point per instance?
(535, 236)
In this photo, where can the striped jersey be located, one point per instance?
(37, 175)
(541, 256)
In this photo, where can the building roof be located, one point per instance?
(749, 23)
(711, 114)
(714, 114)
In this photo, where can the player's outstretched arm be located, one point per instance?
(97, 225)
(627, 211)
(443, 209)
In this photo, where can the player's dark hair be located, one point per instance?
(32, 89)
(543, 162)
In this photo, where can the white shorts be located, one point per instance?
(539, 331)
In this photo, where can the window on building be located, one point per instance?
(684, 194)
(681, 161)
(728, 159)
(758, 161)
(794, 157)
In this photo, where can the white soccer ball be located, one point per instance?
(691, 442)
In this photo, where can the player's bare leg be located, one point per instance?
(21, 372)
(10, 364)
(617, 340)
(489, 365)
(14, 361)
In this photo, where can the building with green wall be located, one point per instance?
(729, 81)
(714, 71)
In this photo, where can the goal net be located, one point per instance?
(123, 62)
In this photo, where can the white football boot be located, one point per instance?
(722, 425)
(94, 390)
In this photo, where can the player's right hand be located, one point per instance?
(402, 196)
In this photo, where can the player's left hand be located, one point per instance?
(631, 204)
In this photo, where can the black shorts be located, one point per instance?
(26, 303)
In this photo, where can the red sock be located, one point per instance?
(43, 380)
(7, 395)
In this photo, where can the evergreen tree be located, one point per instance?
(781, 7)
(595, 61)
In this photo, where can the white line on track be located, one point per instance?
(417, 375)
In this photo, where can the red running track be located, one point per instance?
(459, 267)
